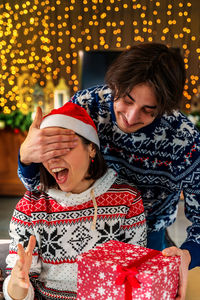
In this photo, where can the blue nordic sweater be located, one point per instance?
(161, 159)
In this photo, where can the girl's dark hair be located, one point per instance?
(154, 64)
(96, 169)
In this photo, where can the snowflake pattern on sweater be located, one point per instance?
(62, 227)
(161, 159)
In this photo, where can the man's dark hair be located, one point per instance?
(151, 63)
(96, 169)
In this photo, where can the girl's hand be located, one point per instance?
(183, 271)
(19, 282)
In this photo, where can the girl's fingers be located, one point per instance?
(31, 244)
(23, 284)
(19, 264)
(20, 251)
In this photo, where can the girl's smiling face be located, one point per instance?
(70, 170)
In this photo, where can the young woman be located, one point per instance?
(80, 204)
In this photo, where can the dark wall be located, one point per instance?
(95, 65)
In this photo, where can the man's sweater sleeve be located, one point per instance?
(29, 175)
(194, 250)
(191, 192)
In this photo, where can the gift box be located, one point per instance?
(116, 271)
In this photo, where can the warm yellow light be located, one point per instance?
(103, 15)
(187, 105)
(43, 41)
(195, 91)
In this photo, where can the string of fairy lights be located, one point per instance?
(45, 37)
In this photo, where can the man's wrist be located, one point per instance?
(23, 160)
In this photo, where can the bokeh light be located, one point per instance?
(45, 37)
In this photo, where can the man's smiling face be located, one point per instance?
(136, 109)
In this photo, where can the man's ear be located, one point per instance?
(116, 96)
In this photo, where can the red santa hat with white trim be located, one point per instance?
(74, 117)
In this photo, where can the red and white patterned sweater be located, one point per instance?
(61, 223)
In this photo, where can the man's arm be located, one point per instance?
(192, 212)
(29, 175)
(191, 192)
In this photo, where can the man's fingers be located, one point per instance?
(183, 270)
(58, 146)
(172, 251)
(59, 140)
(53, 131)
(181, 288)
(38, 118)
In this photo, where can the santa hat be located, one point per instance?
(74, 117)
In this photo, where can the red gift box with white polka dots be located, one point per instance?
(116, 271)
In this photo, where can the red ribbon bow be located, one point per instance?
(127, 275)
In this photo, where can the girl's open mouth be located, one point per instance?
(61, 174)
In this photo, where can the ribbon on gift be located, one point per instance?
(127, 275)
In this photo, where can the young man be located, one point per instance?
(143, 137)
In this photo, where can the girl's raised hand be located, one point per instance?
(19, 282)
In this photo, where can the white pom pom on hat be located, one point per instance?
(74, 117)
